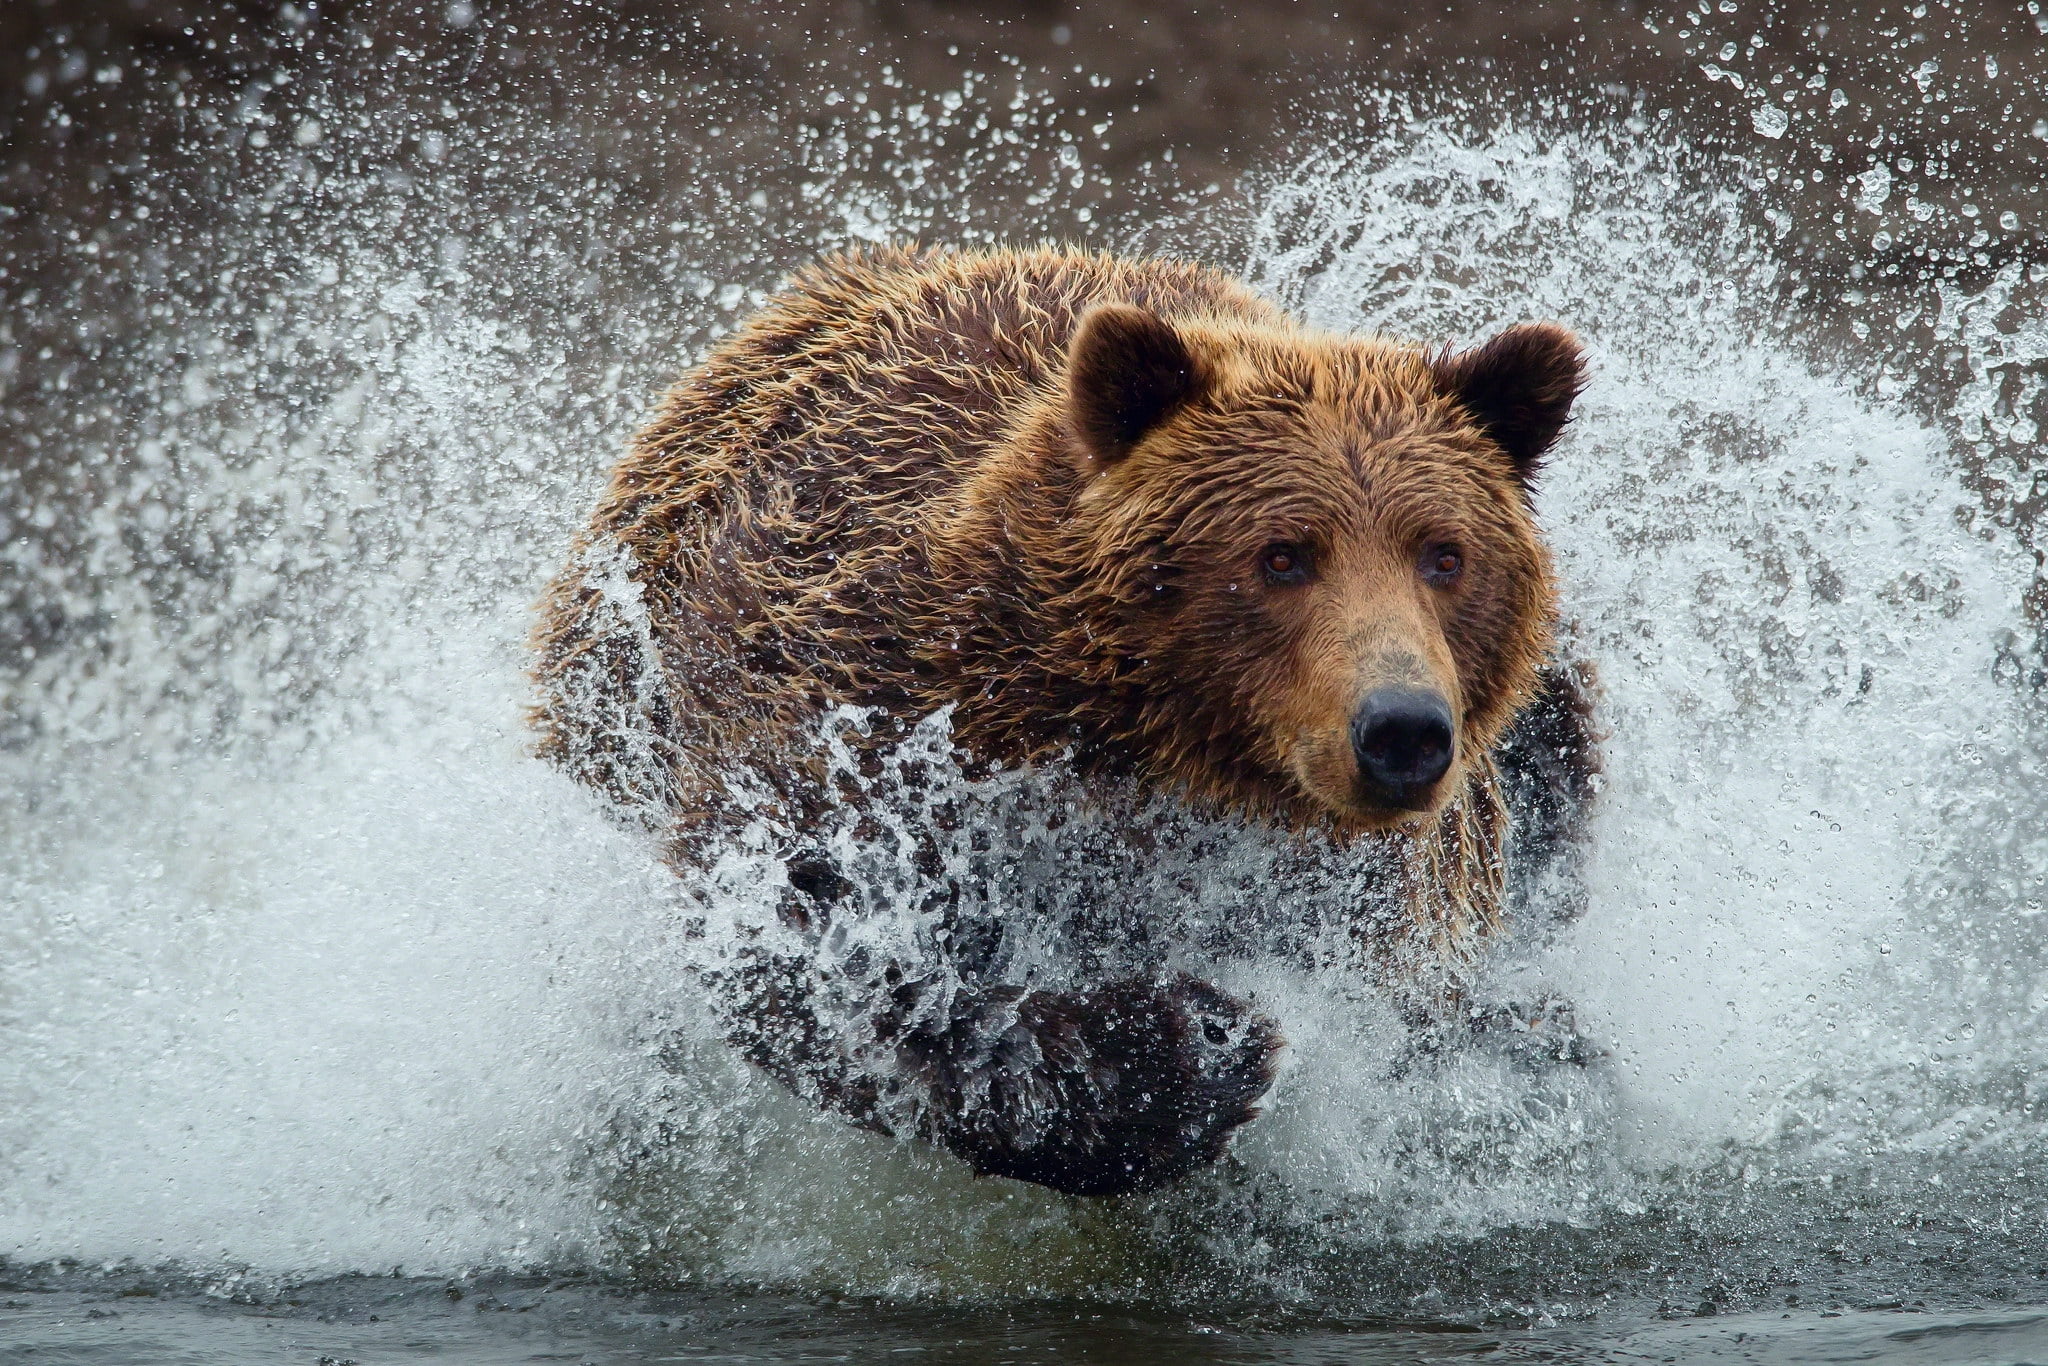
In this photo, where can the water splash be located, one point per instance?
(1796, 627)
(311, 969)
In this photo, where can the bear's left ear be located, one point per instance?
(1518, 387)
(1127, 371)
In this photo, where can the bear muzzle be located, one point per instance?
(1403, 740)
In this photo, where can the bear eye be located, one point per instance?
(1284, 563)
(1442, 563)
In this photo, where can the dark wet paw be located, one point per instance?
(1538, 1033)
(1124, 1087)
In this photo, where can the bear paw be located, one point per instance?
(1123, 1087)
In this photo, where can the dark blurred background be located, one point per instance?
(1951, 96)
(173, 173)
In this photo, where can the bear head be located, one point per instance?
(1312, 556)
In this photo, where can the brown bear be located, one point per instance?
(1118, 519)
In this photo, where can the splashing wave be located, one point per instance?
(311, 969)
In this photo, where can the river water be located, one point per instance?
(335, 1023)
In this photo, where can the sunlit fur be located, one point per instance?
(1238, 691)
(875, 493)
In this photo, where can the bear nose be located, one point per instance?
(1403, 742)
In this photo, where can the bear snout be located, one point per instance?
(1403, 740)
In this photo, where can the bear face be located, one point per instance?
(1315, 554)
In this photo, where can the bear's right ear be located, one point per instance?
(1127, 371)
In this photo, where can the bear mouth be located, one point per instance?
(1407, 800)
(1387, 810)
(1330, 777)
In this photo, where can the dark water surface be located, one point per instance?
(1764, 1272)
(499, 1321)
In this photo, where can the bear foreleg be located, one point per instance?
(1122, 1087)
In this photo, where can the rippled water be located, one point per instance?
(509, 1319)
(311, 975)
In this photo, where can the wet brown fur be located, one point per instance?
(905, 484)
